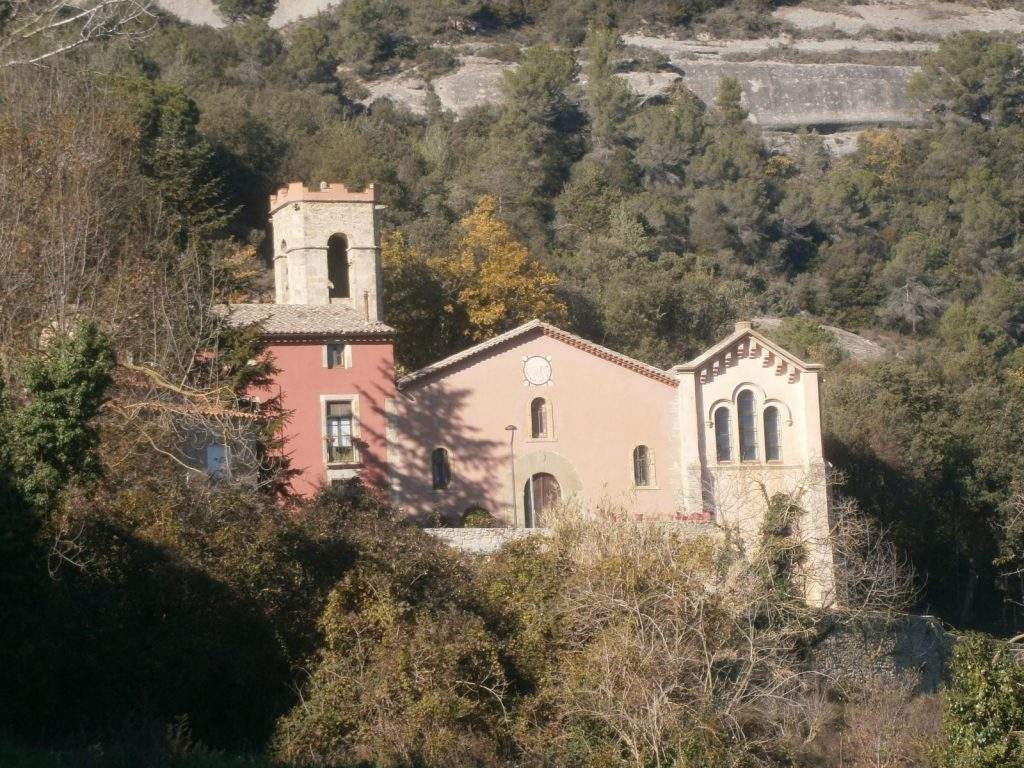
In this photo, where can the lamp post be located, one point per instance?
(511, 429)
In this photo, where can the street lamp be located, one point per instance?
(511, 429)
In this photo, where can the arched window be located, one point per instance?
(772, 438)
(540, 424)
(440, 469)
(337, 267)
(643, 467)
(723, 443)
(748, 426)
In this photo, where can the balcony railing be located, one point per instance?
(341, 454)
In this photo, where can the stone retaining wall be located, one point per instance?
(482, 541)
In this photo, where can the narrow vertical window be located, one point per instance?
(748, 426)
(723, 443)
(339, 432)
(335, 355)
(643, 467)
(772, 438)
(539, 426)
(440, 469)
(337, 267)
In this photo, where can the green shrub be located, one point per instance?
(478, 517)
(433, 62)
(984, 721)
(409, 673)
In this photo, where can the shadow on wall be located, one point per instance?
(428, 418)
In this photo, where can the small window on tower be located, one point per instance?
(336, 355)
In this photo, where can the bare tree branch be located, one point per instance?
(35, 31)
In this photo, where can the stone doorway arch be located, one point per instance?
(564, 474)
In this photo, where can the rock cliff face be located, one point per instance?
(922, 18)
(784, 95)
(779, 95)
(205, 12)
(836, 99)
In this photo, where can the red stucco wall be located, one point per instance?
(303, 379)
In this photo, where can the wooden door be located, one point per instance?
(541, 493)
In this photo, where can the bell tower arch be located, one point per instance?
(327, 247)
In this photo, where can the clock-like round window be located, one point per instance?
(537, 370)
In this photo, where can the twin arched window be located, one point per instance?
(746, 409)
(440, 469)
(540, 421)
(643, 467)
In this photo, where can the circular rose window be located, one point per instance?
(537, 370)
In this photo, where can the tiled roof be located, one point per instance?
(298, 320)
(548, 330)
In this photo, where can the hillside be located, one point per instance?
(648, 176)
(833, 71)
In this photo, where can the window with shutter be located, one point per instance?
(340, 448)
(335, 355)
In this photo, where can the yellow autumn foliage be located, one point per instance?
(494, 279)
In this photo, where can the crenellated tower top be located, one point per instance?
(333, 192)
(326, 246)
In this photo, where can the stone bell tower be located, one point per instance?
(326, 247)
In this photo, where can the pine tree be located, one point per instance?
(179, 163)
(52, 437)
(610, 102)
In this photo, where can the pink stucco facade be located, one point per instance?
(718, 435)
(598, 410)
(306, 383)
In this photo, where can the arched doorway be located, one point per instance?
(540, 494)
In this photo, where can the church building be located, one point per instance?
(532, 418)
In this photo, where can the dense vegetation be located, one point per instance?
(157, 616)
(664, 221)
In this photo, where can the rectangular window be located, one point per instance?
(217, 460)
(340, 448)
(336, 355)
